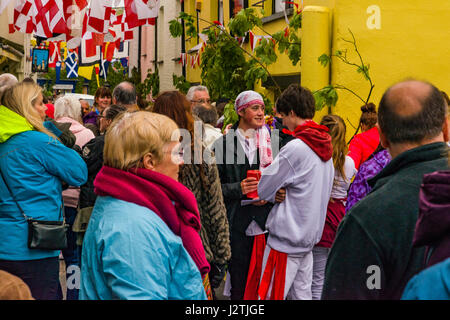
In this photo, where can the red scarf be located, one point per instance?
(316, 137)
(158, 193)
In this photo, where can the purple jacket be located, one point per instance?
(91, 117)
(370, 168)
(433, 223)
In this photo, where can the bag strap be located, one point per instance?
(17, 203)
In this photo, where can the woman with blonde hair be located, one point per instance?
(142, 240)
(344, 168)
(32, 164)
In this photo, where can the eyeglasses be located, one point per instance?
(202, 101)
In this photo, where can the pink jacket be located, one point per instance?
(82, 135)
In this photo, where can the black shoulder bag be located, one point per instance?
(44, 235)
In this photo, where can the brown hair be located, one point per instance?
(337, 129)
(175, 105)
(101, 93)
(369, 115)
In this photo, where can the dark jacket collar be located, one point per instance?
(423, 153)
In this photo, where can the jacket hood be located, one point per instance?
(11, 124)
(75, 126)
(316, 137)
(434, 208)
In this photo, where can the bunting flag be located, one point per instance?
(85, 71)
(90, 52)
(74, 18)
(108, 49)
(54, 53)
(72, 65)
(183, 59)
(41, 20)
(99, 16)
(97, 71)
(141, 12)
(23, 12)
(104, 65)
(81, 4)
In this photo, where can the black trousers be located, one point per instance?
(241, 253)
(41, 276)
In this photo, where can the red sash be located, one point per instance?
(276, 262)
(255, 268)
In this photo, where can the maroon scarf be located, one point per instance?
(316, 137)
(158, 193)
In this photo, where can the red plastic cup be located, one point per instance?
(253, 174)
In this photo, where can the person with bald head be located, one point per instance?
(124, 94)
(372, 256)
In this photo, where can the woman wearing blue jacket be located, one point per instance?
(33, 164)
(142, 241)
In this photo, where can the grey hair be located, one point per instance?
(125, 93)
(192, 90)
(7, 80)
(207, 115)
(68, 106)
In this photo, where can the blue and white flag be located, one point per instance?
(104, 68)
(72, 65)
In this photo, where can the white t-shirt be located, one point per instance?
(340, 186)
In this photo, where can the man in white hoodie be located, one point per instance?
(303, 168)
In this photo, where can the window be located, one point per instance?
(280, 5)
(237, 5)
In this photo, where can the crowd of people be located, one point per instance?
(164, 202)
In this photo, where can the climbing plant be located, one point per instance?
(328, 95)
(227, 68)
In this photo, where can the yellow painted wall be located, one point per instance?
(410, 39)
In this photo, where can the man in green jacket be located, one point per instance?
(372, 256)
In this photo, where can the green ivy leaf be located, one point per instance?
(296, 21)
(327, 96)
(175, 28)
(324, 59)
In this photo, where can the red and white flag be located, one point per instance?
(42, 18)
(54, 53)
(99, 16)
(141, 12)
(119, 29)
(23, 16)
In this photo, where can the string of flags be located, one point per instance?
(81, 27)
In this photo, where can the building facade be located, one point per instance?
(13, 48)
(396, 40)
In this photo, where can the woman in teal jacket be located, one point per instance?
(142, 241)
(33, 164)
